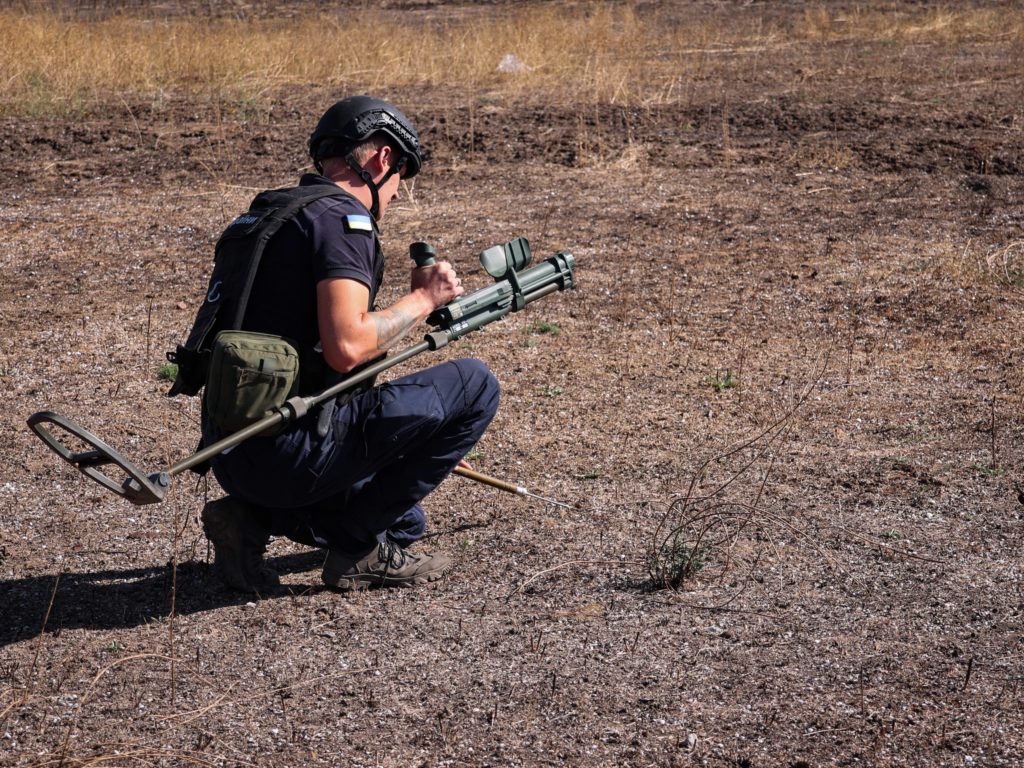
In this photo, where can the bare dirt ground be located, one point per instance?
(795, 342)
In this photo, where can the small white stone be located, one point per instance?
(512, 65)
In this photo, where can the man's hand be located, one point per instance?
(437, 282)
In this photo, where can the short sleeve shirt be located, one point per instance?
(333, 237)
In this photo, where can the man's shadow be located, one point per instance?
(114, 599)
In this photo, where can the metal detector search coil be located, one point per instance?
(137, 487)
(511, 292)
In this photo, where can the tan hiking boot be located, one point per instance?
(239, 542)
(386, 565)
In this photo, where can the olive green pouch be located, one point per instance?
(250, 375)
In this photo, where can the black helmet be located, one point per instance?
(353, 120)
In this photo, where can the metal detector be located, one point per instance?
(512, 290)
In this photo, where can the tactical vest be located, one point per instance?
(236, 261)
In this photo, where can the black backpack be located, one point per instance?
(236, 260)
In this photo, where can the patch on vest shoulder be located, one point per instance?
(357, 223)
(245, 218)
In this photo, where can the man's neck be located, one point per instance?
(348, 181)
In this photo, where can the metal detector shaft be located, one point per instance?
(504, 485)
(453, 321)
(297, 407)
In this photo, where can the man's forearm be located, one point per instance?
(391, 325)
(350, 338)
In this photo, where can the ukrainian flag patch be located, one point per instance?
(357, 223)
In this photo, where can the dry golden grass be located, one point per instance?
(929, 25)
(609, 53)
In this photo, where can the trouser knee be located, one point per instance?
(481, 387)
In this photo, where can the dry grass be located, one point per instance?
(55, 63)
(926, 25)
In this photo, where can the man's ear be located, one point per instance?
(383, 158)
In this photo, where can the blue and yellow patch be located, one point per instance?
(356, 223)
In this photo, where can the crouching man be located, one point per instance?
(350, 475)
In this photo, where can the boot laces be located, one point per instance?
(392, 555)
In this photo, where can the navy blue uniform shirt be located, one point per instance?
(331, 237)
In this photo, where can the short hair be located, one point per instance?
(360, 152)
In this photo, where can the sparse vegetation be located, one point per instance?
(543, 327)
(167, 372)
(676, 562)
(988, 470)
(722, 382)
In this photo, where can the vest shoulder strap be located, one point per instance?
(236, 261)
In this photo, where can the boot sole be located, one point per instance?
(360, 583)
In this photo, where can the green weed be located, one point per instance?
(988, 470)
(721, 383)
(543, 327)
(167, 372)
(676, 562)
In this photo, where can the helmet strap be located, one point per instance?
(368, 181)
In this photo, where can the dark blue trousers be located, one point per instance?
(386, 449)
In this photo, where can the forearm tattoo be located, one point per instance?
(391, 325)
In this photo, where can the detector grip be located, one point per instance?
(423, 254)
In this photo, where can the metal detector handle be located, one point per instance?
(137, 487)
(423, 254)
